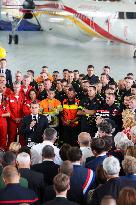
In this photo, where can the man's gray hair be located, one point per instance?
(111, 165)
(23, 158)
(133, 130)
(129, 165)
(49, 134)
(124, 144)
(119, 137)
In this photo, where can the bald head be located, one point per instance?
(10, 174)
(84, 139)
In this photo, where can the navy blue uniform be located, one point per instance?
(15, 194)
(92, 79)
(88, 122)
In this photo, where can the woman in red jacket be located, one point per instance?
(4, 113)
(32, 97)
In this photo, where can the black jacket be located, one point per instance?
(60, 201)
(35, 181)
(8, 78)
(35, 133)
(49, 169)
(112, 188)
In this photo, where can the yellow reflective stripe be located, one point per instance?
(71, 107)
(80, 107)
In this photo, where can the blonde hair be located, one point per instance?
(128, 117)
(14, 146)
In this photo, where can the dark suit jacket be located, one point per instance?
(8, 78)
(49, 169)
(35, 133)
(15, 194)
(60, 201)
(35, 181)
(111, 187)
(93, 164)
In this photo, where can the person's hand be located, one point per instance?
(17, 120)
(32, 124)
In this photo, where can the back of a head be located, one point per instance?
(118, 137)
(108, 200)
(123, 144)
(64, 151)
(49, 134)
(84, 138)
(129, 165)
(101, 176)
(111, 166)
(48, 152)
(10, 173)
(98, 145)
(23, 159)
(61, 182)
(66, 168)
(74, 154)
(127, 196)
(131, 151)
(105, 127)
(108, 142)
(9, 158)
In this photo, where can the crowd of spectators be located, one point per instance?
(67, 140)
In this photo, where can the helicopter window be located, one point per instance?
(130, 15)
(121, 15)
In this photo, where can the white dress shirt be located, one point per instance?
(36, 152)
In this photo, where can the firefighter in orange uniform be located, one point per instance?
(4, 113)
(69, 119)
(51, 106)
(15, 101)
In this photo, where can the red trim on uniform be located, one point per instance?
(85, 19)
(19, 201)
(87, 179)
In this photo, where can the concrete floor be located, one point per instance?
(36, 49)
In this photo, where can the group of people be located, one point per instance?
(91, 119)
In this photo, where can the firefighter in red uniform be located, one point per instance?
(25, 87)
(4, 113)
(69, 119)
(16, 101)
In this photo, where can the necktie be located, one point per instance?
(2, 71)
(34, 118)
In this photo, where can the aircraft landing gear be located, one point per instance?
(134, 56)
(13, 38)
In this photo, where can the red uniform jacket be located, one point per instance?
(16, 106)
